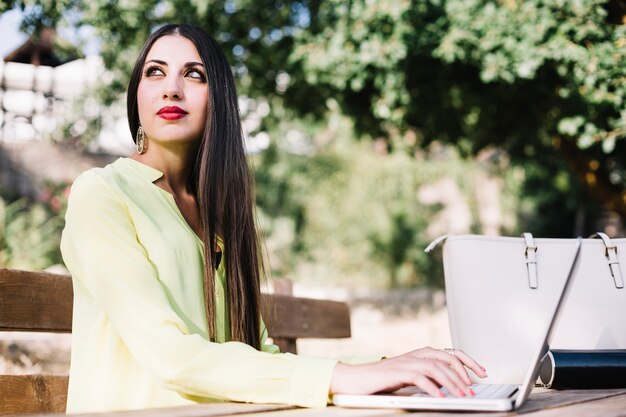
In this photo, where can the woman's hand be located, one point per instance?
(426, 368)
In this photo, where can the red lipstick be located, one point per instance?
(171, 113)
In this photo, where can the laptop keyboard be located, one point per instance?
(489, 390)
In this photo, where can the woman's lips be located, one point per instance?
(171, 113)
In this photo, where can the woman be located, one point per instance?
(166, 267)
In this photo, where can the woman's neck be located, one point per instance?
(175, 166)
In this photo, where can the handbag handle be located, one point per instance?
(530, 253)
(611, 257)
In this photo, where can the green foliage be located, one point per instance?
(388, 52)
(573, 42)
(39, 14)
(540, 209)
(29, 234)
(347, 214)
(348, 211)
(534, 78)
(255, 35)
(540, 79)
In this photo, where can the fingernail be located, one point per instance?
(441, 394)
(471, 392)
(460, 393)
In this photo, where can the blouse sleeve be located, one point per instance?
(100, 248)
(265, 346)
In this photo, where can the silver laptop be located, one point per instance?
(489, 397)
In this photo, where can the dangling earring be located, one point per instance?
(140, 143)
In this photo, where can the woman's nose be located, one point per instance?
(172, 89)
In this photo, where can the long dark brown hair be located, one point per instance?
(222, 183)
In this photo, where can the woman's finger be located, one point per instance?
(441, 373)
(458, 360)
(454, 362)
(451, 360)
(471, 363)
(427, 385)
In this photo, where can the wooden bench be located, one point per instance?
(42, 302)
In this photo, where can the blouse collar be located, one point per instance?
(144, 171)
(151, 174)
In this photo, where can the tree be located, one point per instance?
(540, 79)
(257, 36)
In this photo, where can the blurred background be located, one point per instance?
(373, 128)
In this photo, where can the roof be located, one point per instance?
(46, 49)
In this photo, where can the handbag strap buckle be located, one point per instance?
(530, 253)
(613, 261)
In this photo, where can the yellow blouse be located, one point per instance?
(139, 326)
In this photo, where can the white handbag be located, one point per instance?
(499, 291)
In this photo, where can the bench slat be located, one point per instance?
(35, 301)
(297, 317)
(40, 301)
(30, 394)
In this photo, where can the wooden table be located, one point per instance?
(541, 403)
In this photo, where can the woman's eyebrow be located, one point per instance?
(157, 61)
(187, 64)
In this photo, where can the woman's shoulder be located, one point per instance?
(97, 179)
(96, 175)
(124, 179)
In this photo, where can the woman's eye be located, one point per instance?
(153, 71)
(197, 74)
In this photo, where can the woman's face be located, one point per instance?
(172, 94)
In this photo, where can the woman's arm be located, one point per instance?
(427, 368)
(101, 249)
